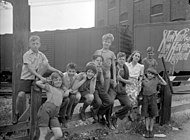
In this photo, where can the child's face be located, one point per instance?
(90, 74)
(136, 57)
(121, 60)
(35, 45)
(71, 72)
(150, 75)
(98, 61)
(107, 43)
(57, 82)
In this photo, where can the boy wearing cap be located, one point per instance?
(35, 64)
(85, 83)
(149, 105)
(109, 59)
(149, 61)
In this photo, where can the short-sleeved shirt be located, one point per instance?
(54, 95)
(108, 56)
(34, 60)
(150, 86)
(68, 81)
(135, 71)
(149, 63)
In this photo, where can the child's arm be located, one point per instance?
(54, 69)
(162, 81)
(114, 72)
(79, 82)
(42, 85)
(124, 80)
(35, 73)
(92, 85)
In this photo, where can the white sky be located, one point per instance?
(54, 14)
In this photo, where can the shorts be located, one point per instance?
(149, 106)
(84, 93)
(48, 115)
(25, 85)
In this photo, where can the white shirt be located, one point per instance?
(135, 71)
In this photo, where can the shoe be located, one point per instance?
(114, 121)
(151, 134)
(110, 126)
(82, 115)
(17, 116)
(147, 134)
(95, 117)
(102, 120)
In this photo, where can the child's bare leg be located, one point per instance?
(43, 132)
(147, 123)
(57, 133)
(20, 103)
(151, 123)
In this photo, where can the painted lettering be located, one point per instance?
(175, 45)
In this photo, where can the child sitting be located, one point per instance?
(48, 112)
(69, 78)
(85, 83)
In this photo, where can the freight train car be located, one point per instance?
(64, 46)
(170, 40)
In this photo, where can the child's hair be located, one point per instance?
(91, 66)
(94, 57)
(121, 54)
(34, 38)
(130, 58)
(71, 65)
(108, 36)
(53, 76)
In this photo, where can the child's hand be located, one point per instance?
(84, 75)
(66, 94)
(119, 78)
(44, 80)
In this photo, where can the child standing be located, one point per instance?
(48, 112)
(109, 59)
(149, 107)
(35, 64)
(69, 78)
(149, 61)
(85, 83)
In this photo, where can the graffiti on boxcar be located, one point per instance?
(175, 45)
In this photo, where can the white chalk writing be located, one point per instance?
(175, 45)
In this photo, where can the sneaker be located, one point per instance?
(114, 121)
(82, 115)
(147, 134)
(151, 134)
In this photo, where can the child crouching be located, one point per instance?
(48, 112)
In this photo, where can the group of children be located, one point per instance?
(104, 79)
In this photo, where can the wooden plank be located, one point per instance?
(180, 108)
(16, 127)
(20, 138)
(36, 100)
(166, 98)
(181, 88)
(21, 28)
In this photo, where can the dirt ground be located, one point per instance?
(126, 130)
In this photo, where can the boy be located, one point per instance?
(35, 64)
(102, 101)
(109, 59)
(149, 61)
(69, 78)
(149, 105)
(48, 112)
(119, 91)
(85, 83)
